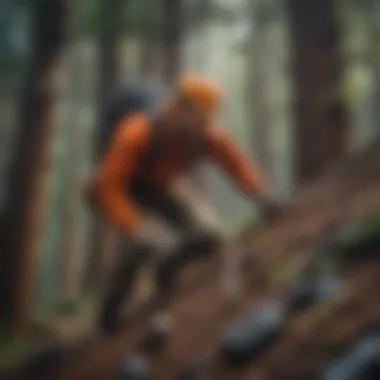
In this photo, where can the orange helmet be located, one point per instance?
(203, 92)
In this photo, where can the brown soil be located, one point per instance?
(345, 192)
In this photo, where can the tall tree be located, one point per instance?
(321, 127)
(72, 228)
(173, 28)
(21, 219)
(110, 46)
(12, 61)
(258, 87)
(110, 72)
(374, 30)
(151, 57)
(150, 34)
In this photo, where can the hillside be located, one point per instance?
(347, 191)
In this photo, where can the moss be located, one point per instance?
(335, 349)
(360, 230)
(285, 273)
(359, 240)
(11, 347)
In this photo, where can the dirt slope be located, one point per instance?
(346, 191)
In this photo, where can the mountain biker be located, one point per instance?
(143, 160)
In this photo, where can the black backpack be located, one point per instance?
(128, 99)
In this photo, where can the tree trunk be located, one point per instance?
(72, 229)
(109, 58)
(109, 77)
(172, 38)
(151, 49)
(321, 127)
(263, 139)
(151, 58)
(7, 128)
(374, 36)
(21, 221)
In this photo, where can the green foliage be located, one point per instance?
(357, 241)
(242, 46)
(371, 224)
(361, 230)
(87, 18)
(362, 5)
(263, 15)
(137, 17)
(265, 12)
(10, 346)
(199, 12)
(139, 20)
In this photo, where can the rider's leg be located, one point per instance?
(198, 238)
(185, 211)
(130, 259)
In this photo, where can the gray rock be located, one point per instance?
(160, 329)
(361, 362)
(135, 367)
(42, 359)
(247, 339)
(308, 292)
(196, 370)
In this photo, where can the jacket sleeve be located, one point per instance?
(116, 171)
(224, 151)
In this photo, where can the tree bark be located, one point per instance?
(72, 228)
(263, 139)
(374, 36)
(151, 48)
(110, 70)
(321, 126)
(21, 220)
(172, 37)
(151, 58)
(109, 57)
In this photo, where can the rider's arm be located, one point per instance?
(227, 154)
(116, 170)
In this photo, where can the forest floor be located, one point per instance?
(349, 191)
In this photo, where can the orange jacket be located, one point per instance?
(121, 165)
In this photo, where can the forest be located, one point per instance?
(301, 82)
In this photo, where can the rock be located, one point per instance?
(159, 331)
(135, 367)
(247, 339)
(302, 296)
(196, 370)
(42, 359)
(361, 362)
(307, 293)
(327, 287)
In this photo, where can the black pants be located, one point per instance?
(132, 255)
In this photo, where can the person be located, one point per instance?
(144, 158)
